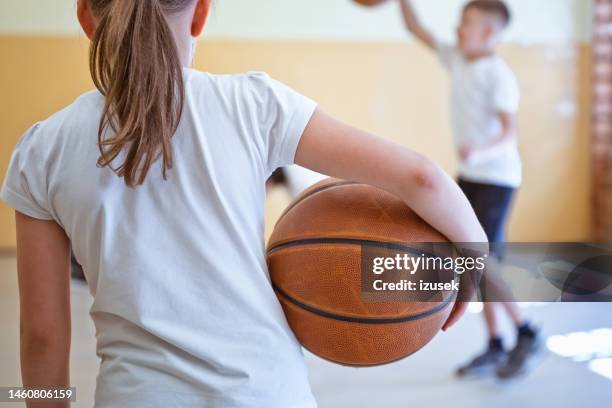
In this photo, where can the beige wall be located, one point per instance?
(392, 89)
(535, 21)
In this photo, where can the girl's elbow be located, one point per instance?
(426, 176)
(43, 338)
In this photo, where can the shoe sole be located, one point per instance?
(528, 366)
(479, 372)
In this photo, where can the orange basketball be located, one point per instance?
(314, 257)
(370, 2)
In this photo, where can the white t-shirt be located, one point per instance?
(300, 178)
(480, 91)
(184, 312)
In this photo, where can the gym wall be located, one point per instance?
(360, 66)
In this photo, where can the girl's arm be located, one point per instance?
(333, 148)
(43, 265)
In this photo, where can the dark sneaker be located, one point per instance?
(527, 348)
(485, 363)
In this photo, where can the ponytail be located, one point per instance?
(134, 63)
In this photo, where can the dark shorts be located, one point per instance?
(492, 206)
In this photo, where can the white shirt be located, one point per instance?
(482, 89)
(184, 312)
(300, 178)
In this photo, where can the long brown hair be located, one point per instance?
(135, 64)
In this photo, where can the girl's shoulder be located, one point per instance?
(253, 89)
(246, 81)
(80, 114)
(192, 73)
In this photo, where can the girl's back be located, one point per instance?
(182, 300)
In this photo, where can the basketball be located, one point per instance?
(314, 256)
(370, 2)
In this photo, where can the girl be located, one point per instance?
(158, 179)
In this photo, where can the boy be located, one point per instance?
(484, 102)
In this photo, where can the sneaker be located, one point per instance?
(520, 358)
(485, 363)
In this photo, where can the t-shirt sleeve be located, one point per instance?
(446, 53)
(282, 116)
(25, 186)
(506, 91)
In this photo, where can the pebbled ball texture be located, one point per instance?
(314, 259)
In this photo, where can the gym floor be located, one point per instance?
(576, 366)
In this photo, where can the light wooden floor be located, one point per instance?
(423, 380)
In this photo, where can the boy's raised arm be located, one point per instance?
(414, 25)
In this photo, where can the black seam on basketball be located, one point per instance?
(364, 320)
(311, 193)
(349, 241)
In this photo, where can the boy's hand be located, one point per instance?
(466, 152)
(508, 121)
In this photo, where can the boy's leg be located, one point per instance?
(492, 206)
(528, 341)
(491, 313)
(487, 361)
(515, 313)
